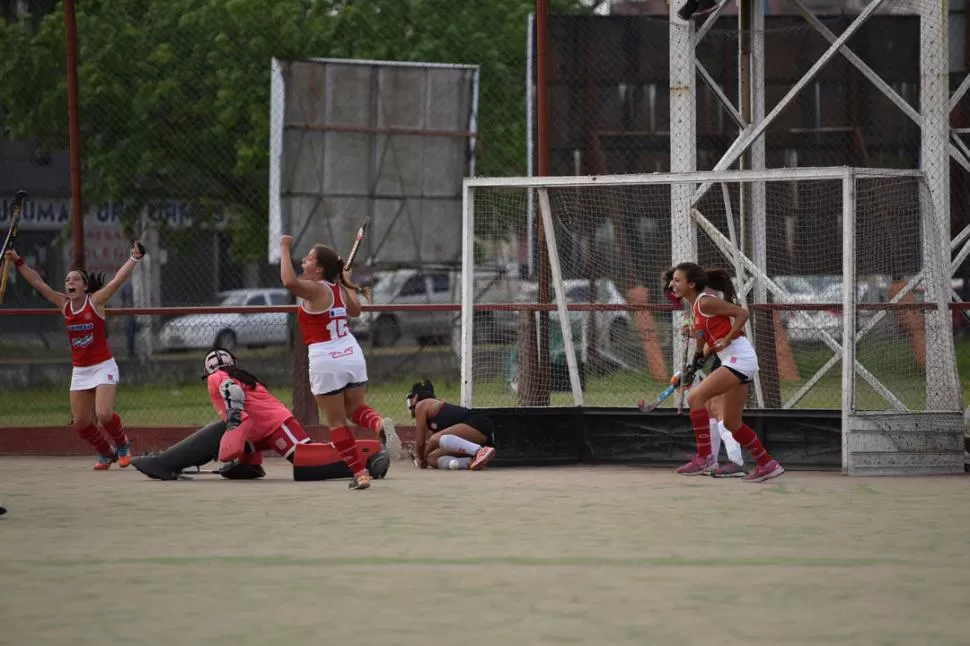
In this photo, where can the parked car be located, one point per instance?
(203, 331)
(615, 336)
(807, 329)
(433, 287)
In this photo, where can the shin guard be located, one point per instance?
(116, 430)
(93, 436)
(347, 447)
(367, 417)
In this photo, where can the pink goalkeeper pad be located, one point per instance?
(233, 443)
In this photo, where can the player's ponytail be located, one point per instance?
(720, 280)
(242, 376)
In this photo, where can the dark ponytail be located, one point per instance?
(242, 376)
(716, 279)
(720, 280)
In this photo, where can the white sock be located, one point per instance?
(451, 462)
(453, 443)
(715, 438)
(731, 445)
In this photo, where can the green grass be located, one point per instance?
(187, 403)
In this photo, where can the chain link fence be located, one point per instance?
(176, 128)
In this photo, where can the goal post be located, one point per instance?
(854, 275)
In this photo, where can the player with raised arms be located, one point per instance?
(718, 326)
(337, 368)
(448, 436)
(95, 377)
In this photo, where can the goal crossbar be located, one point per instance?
(653, 179)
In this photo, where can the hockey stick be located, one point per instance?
(353, 250)
(18, 202)
(683, 371)
(353, 254)
(664, 394)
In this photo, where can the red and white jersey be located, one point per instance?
(87, 334)
(327, 326)
(714, 326)
(266, 412)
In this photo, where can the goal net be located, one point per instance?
(579, 317)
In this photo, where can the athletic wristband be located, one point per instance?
(136, 259)
(18, 263)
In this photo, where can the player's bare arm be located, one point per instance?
(55, 297)
(103, 295)
(317, 296)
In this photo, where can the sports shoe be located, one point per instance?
(3, 510)
(767, 472)
(361, 480)
(124, 455)
(729, 470)
(390, 439)
(104, 463)
(698, 466)
(482, 457)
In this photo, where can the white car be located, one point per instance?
(204, 331)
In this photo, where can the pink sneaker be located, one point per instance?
(767, 472)
(698, 466)
(482, 457)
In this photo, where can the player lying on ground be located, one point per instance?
(448, 436)
(94, 377)
(253, 421)
(715, 407)
(718, 325)
(337, 368)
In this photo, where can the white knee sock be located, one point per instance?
(730, 445)
(451, 462)
(453, 443)
(715, 438)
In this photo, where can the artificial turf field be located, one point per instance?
(556, 555)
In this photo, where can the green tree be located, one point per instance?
(174, 95)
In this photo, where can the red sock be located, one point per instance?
(367, 417)
(116, 430)
(346, 445)
(702, 431)
(747, 439)
(92, 434)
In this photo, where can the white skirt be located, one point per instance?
(88, 377)
(336, 365)
(740, 356)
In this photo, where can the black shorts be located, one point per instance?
(483, 425)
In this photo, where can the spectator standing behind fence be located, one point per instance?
(95, 377)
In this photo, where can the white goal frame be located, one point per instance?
(871, 441)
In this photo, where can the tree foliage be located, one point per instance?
(174, 95)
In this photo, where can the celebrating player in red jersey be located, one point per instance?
(338, 370)
(718, 324)
(94, 379)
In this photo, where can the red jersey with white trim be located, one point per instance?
(323, 327)
(714, 326)
(86, 332)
